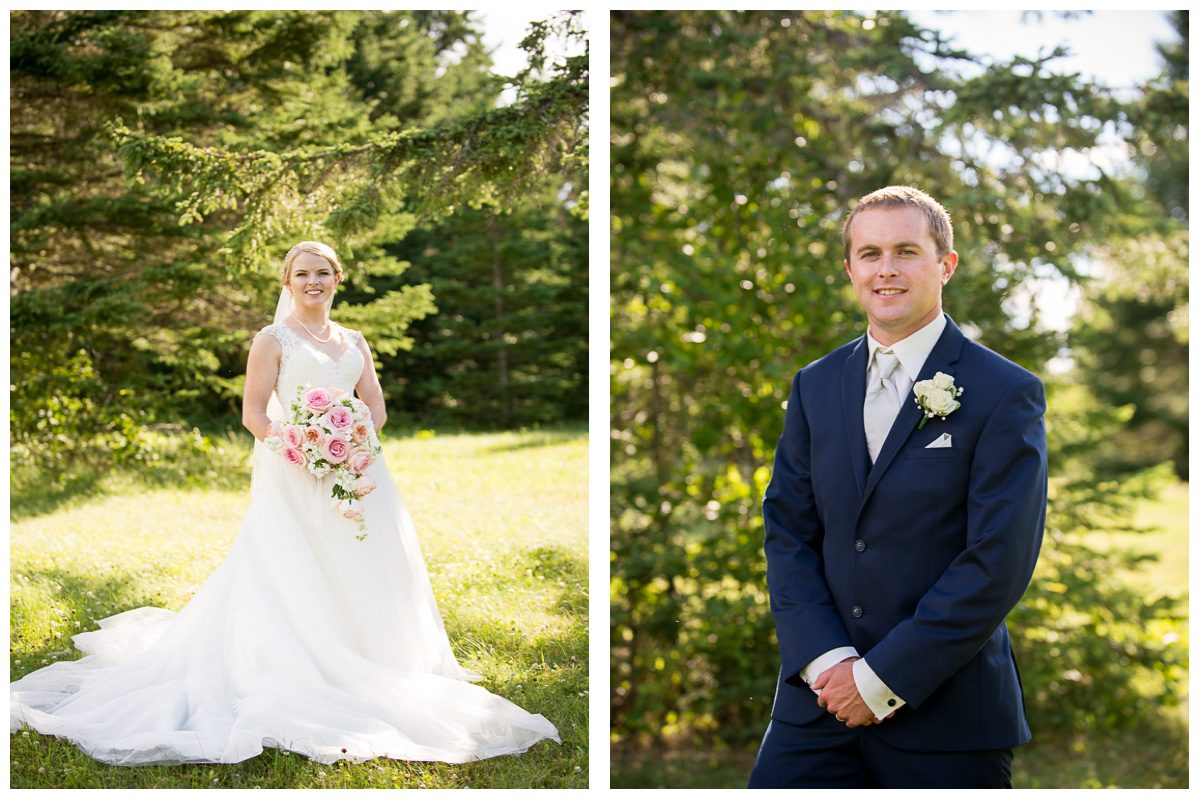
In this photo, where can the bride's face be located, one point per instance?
(312, 281)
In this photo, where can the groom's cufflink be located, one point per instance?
(941, 441)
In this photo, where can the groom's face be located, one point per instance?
(896, 271)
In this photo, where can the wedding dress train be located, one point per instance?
(305, 639)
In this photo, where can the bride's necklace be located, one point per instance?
(310, 333)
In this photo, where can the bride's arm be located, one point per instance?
(369, 390)
(262, 370)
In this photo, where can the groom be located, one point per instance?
(898, 535)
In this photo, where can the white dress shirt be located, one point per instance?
(911, 351)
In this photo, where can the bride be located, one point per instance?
(306, 638)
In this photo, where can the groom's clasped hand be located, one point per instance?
(839, 695)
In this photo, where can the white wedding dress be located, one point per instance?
(305, 639)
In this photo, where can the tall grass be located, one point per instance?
(502, 520)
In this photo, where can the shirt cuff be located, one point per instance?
(824, 662)
(874, 692)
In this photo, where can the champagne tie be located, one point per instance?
(879, 412)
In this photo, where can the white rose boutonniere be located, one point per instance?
(936, 396)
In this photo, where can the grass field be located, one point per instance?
(502, 520)
(1150, 753)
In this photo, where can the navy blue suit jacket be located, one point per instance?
(916, 560)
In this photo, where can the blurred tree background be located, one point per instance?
(739, 141)
(163, 162)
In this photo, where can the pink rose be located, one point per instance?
(318, 400)
(313, 435)
(359, 460)
(350, 509)
(335, 449)
(295, 457)
(292, 435)
(340, 418)
(360, 431)
(364, 485)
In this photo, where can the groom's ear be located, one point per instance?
(949, 264)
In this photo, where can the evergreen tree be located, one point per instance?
(115, 307)
(511, 347)
(1131, 339)
(133, 301)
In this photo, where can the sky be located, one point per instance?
(1114, 48)
(503, 30)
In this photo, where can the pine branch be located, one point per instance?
(342, 189)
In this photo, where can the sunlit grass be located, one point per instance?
(502, 520)
(1165, 522)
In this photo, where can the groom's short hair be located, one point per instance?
(906, 197)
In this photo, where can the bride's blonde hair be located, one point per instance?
(316, 248)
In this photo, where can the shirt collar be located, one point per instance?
(913, 349)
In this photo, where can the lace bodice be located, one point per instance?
(302, 363)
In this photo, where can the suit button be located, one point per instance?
(856, 611)
(860, 545)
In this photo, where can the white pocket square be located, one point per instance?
(941, 441)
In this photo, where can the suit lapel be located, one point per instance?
(854, 394)
(941, 359)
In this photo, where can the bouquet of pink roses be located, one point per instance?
(326, 431)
